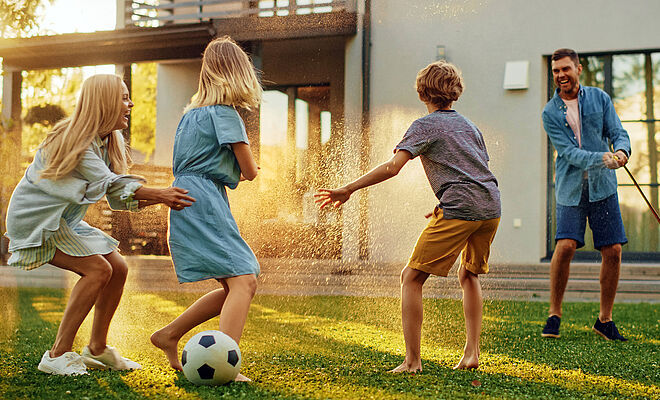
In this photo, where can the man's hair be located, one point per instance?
(439, 83)
(561, 53)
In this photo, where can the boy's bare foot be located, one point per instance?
(169, 347)
(405, 367)
(468, 362)
(242, 378)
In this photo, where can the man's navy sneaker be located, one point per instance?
(551, 327)
(608, 330)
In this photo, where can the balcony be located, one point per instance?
(247, 20)
(152, 13)
(180, 29)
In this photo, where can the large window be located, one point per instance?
(632, 79)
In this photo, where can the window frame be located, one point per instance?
(592, 255)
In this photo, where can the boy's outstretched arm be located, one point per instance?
(381, 173)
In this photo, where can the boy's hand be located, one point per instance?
(336, 196)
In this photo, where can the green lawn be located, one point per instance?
(340, 348)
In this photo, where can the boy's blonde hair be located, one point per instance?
(97, 111)
(227, 77)
(439, 83)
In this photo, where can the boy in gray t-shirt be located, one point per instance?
(455, 160)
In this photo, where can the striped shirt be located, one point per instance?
(45, 215)
(455, 161)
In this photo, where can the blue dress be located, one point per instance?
(204, 239)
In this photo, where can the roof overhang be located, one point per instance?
(122, 46)
(170, 42)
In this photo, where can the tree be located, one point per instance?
(143, 116)
(18, 18)
(46, 89)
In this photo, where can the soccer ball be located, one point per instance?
(211, 358)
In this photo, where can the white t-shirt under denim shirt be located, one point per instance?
(455, 160)
(573, 118)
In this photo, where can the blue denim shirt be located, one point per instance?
(601, 128)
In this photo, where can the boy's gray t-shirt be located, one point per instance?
(455, 160)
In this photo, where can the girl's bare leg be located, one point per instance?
(206, 307)
(107, 303)
(95, 273)
(412, 314)
(234, 313)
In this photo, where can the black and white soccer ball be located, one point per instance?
(211, 358)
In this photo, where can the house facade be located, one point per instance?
(338, 78)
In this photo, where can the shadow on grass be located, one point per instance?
(581, 368)
(514, 329)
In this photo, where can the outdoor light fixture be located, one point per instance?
(440, 53)
(516, 75)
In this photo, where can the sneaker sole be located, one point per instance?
(600, 333)
(94, 364)
(56, 372)
(552, 335)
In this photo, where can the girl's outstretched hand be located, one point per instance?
(336, 196)
(176, 198)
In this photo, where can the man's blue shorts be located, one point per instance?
(604, 220)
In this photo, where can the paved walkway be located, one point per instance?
(638, 283)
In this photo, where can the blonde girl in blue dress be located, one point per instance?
(82, 160)
(212, 153)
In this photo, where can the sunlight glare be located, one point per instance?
(68, 16)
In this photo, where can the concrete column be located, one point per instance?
(10, 146)
(314, 144)
(122, 14)
(291, 136)
(352, 144)
(177, 83)
(253, 119)
(11, 95)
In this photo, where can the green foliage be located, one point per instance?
(143, 116)
(341, 347)
(18, 18)
(55, 88)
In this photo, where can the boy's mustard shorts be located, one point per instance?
(442, 241)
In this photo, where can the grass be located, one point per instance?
(340, 347)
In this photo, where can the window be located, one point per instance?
(632, 79)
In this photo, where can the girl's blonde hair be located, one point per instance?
(227, 77)
(439, 83)
(97, 111)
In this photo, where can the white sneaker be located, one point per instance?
(109, 359)
(69, 363)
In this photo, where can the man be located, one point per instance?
(582, 125)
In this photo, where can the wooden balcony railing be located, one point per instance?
(153, 13)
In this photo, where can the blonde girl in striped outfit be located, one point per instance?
(82, 160)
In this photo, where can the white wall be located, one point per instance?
(177, 82)
(480, 37)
